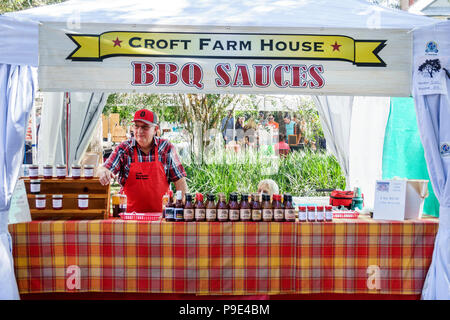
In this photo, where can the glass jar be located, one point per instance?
(302, 213)
(83, 201)
(320, 214)
(48, 171)
(115, 199)
(76, 171)
(88, 171)
(61, 171)
(57, 201)
(35, 186)
(40, 201)
(33, 171)
(311, 215)
(328, 213)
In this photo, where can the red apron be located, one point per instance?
(146, 185)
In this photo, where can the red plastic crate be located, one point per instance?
(148, 216)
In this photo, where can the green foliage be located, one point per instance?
(17, 5)
(300, 173)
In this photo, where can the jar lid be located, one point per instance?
(60, 165)
(83, 196)
(34, 166)
(48, 166)
(40, 196)
(57, 196)
(89, 166)
(76, 166)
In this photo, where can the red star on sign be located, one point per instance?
(117, 42)
(336, 46)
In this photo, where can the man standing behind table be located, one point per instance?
(227, 127)
(289, 124)
(145, 165)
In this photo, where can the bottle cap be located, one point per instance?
(188, 197)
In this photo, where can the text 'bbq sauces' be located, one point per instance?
(188, 208)
(222, 208)
(245, 210)
(211, 208)
(200, 210)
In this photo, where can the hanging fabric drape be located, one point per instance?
(67, 125)
(433, 114)
(18, 85)
(335, 113)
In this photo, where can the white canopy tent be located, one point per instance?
(19, 46)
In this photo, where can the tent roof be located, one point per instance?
(18, 27)
(259, 13)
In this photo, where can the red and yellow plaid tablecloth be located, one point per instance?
(345, 256)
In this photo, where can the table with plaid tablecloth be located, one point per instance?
(357, 256)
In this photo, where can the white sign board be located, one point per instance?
(390, 199)
(145, 58)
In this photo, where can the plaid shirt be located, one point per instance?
(120, 160)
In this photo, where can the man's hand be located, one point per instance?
(105, 175)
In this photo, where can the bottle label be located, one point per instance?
(256, 214)
(245, 214)
(33, 172)
(60, 172)
(40, 203)
(83, 203)
(179, 214)
(289, 214)
(57, 203)
(302, 215)
(200, 214)
(311, 215)
(222, 214)
(320, 215)
(278, 214)
(267, 214)
(169, 213)
(35, 187)
(234, 215)
(89, 172)
(211, 214)
(48, 172)
(76, 172)
(329, 215)
(188, 214)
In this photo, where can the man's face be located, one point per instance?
(270, 118)
(286, 120)
(144, 133)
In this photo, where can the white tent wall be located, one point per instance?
(62, 141)
(433, 113)
(18, 85)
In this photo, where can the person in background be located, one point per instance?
(227, 127)
(272, 123)
(289, 125)
(282, 148)
(261, 121)
(268, 186)
(240, 129)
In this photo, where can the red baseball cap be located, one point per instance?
(146, 116)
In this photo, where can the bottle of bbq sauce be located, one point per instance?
(245, 210)
(234, 208)
(278, 210)
(222, 208)
(267, 211)
(289, 211)
(200, 211)
(188, 209)
(256, 208)
(211, 208)
(169, 214)
(179, 207)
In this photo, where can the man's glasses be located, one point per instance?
(144, 128)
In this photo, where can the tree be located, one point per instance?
(17, 5)
(430, 66)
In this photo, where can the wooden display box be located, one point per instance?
(70, 189)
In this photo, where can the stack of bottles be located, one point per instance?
(253, 207)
